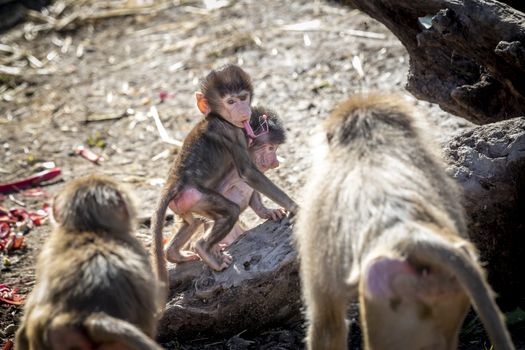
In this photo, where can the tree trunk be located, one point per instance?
(470, 61)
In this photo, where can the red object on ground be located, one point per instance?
(8, 345)
(88, 154)
(4, 229)
(163, 95)
(36, 192)
(17, 222)
(10, 296)
(31, 180)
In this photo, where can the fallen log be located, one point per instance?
(489, 162)
(260, 289)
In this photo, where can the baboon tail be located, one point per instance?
(470, 276)
(102, 328)
(157, 223)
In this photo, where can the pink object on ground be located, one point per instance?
(89, 155)
(32, 180)
(10, 296)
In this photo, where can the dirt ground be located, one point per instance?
(95, 81)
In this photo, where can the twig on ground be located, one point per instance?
(317, 25)
(154, 113)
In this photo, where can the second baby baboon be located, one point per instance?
(383, 222)
(263, 152)
(95, 285)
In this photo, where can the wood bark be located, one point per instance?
(260, 289)
(489, 162)
(470, 61)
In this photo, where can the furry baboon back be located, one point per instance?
(383, 222)
(95, 284)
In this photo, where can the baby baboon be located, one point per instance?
(95, 284)
(215, 146)
(263, 152)
(383, 222)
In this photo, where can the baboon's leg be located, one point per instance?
(326, 313)
(174, 252)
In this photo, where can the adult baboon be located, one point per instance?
(383, 222)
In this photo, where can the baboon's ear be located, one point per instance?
(202, 104)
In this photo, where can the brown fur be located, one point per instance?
(218, 83)
(383, 222)
(95, 284)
